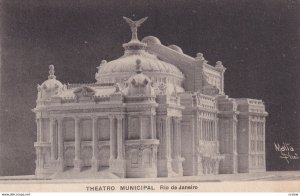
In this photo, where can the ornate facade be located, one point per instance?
(154, 112)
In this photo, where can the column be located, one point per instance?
(201, 128)
(216, 130)
(38, 130)
(173, 138)
(159, 136)
(95, 137)
(120, 136)
(60, 143)
(112, 141)
(39, 163)
(141, 127)
(177, 138)
(167, 137)
(77, 161)
(52, 139)
(212, 130)
(204, 130)
(209, 130)
(95, 143)
(153, 132)
(255, 136)
(264, 141)
(60, 139)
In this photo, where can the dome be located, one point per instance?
(121, 69)
(149, 64)
(51, 84)
(49, 87)
(176, 48)
(151, 40)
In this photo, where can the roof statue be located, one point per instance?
(134, 25)
(51, 72)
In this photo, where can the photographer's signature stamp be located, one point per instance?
(287, 151)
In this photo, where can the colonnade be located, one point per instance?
(56, 139)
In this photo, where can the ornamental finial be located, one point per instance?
(51, 72)
(134, 25)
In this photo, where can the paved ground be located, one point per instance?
(87, 176)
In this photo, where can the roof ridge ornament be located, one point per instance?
(51, 72)
(134, 26)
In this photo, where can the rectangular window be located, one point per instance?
(134, 128)
(146, 127)
(86, 130)
(69, 130)
(103, 129)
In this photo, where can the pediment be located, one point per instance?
(84, 93)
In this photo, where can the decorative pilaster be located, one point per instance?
(117, 166)
(39, 160)
(165, 163)
(39, 129)
(95, 162)
(177, 161)
(77, 160)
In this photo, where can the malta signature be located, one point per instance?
(287, 151)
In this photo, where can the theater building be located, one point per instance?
(153, 112)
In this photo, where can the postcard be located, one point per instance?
(159, 96)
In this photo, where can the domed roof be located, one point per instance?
(50, 87)
(51, 84)
(149, 63)
(121, 69)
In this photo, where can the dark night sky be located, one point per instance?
(258, 42)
